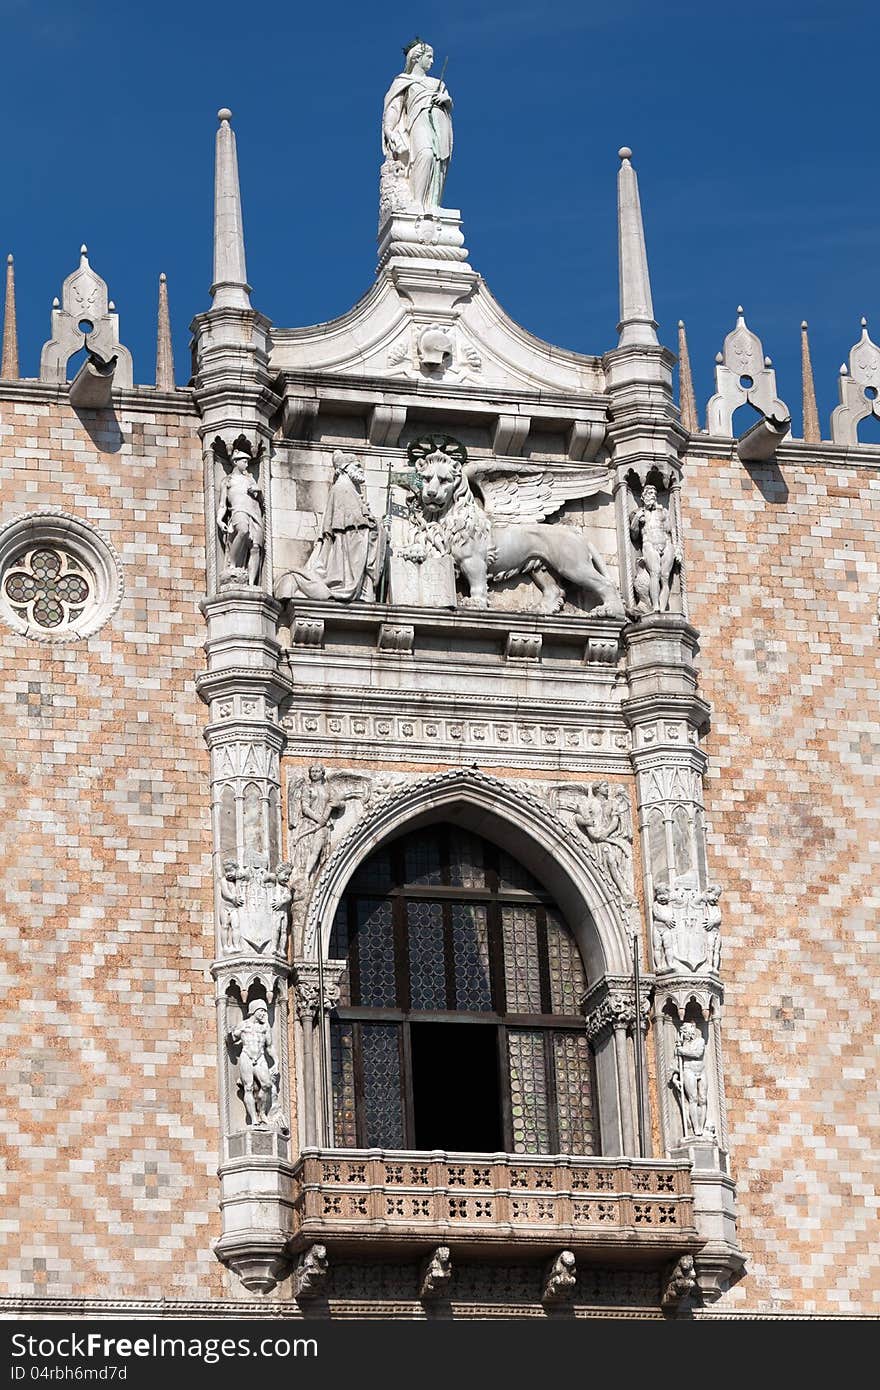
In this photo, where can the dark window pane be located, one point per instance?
(421, 860)
(466, 869)
(511, 874)
(339, 950)
(470, 944)
(374, 876)
(567, 980)
(522, 980)
(383, 1110)
(375, 947)
(427, 961)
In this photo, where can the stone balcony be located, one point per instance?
(373, 1201)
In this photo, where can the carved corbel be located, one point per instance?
(560, 1279)
(436, 1274)
(678, 1285)
(585, 439)
(310, 1275)
(511, 433)
(298, 415)
(386, 422)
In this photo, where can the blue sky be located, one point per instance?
(754, 131)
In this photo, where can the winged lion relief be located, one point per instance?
(491, 518)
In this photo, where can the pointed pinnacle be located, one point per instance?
(9, 361)
(686, 400)
(812, 430)
(164, 349)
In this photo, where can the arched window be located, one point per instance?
(459, 1023)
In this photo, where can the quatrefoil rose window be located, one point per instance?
(48, 588)
(59, 580)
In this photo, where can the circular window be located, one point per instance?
(59, 580)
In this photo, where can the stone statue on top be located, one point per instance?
(417, 131)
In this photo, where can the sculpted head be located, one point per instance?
(259, 1009)
(602, 789)
(687, 1032)
(348, 465)
(661, 894)
(440, 476)
(317, 773)
(283, 872)
(649, 496)
(419, 54)
(230, 868)
(240, 461)
(713, 892)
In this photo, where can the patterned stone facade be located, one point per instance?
(787, 613)
(109, 1096)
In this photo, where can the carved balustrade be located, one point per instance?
(382, 1198)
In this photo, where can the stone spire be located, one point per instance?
(812, 433)
(230, 289)
(637, 326)
(686, 399)
(9, 362)
(164, 350)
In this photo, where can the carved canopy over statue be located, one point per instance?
(417, 127)
(490, 518)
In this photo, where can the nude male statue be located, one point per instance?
(231, 898)
(240, 521)
(663, 927)
(651, 530)
(256, 1063)
(690, 1079)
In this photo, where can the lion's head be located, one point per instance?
(439, 477)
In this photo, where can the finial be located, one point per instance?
(637, 327)
(56, 303)
(230, 289)
(804, 325)
(83, 250)
(9, 358)
(719, 359)
(687, 403)
(164, 350)
(768, 361)
(111, 307)
(844, 370)
(740, 311)
(812, 432)
(864, 323)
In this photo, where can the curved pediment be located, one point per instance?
(447, 331)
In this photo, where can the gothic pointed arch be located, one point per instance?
(509, 815)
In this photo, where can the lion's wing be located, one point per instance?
(522, 493)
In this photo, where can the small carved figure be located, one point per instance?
(689, 1079)
(663, 927)
(712, 924)
(312, 805)
(417, 126)
(561, 1278)
(650, 527)
(680, 1282)
(231, 898)
(240, 521)
(257, 1068)
(501, 534)
(349, 555)
(437, 1273)
(281, 905)
(310, 1276)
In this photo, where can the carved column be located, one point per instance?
(666, 715)
(610, 1010)
(315, 1091)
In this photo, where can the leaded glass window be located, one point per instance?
(462, 989)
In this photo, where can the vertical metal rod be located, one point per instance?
(640, 1080)
(324, 1139)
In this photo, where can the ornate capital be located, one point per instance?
(307, 990)
(611, 1004)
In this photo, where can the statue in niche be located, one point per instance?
(258, 1070)
(313, 804)
(348, 559)
(605, 821)
(686, 926)
(689, 1080)
(241, 520)
(663, 924)
(232, 900)
(282, 900)
(490, 518)
(417, 128)
(650, 527)
(712, 925)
